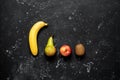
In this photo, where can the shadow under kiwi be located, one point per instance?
(80, 58)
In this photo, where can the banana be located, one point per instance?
(33, 36)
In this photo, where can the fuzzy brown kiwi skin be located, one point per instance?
(79, 49)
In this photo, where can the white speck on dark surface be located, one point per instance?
(80, 14)
(19, 1)
(74, 29)
(27, 13)
(9, 53)
(19, 21)
(88, 42)
(80, 72)
(88, 66)
(99, 26)
(70, 17)
(72, 65)
(17, 31)
(96, 52)
(33, 5)
(63, 77)
(58, 63)
(8, 78)
(73, 13)
(96, 68)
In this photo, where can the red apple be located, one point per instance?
(65, 50)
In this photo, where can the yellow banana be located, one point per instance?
(33, 36)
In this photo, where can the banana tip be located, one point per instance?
(46, 24)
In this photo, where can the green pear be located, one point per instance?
(50, 49)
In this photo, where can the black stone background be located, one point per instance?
(95, 23)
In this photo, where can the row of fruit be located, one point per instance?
(65, 50)
(50, 50)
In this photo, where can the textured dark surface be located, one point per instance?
(95, 23)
